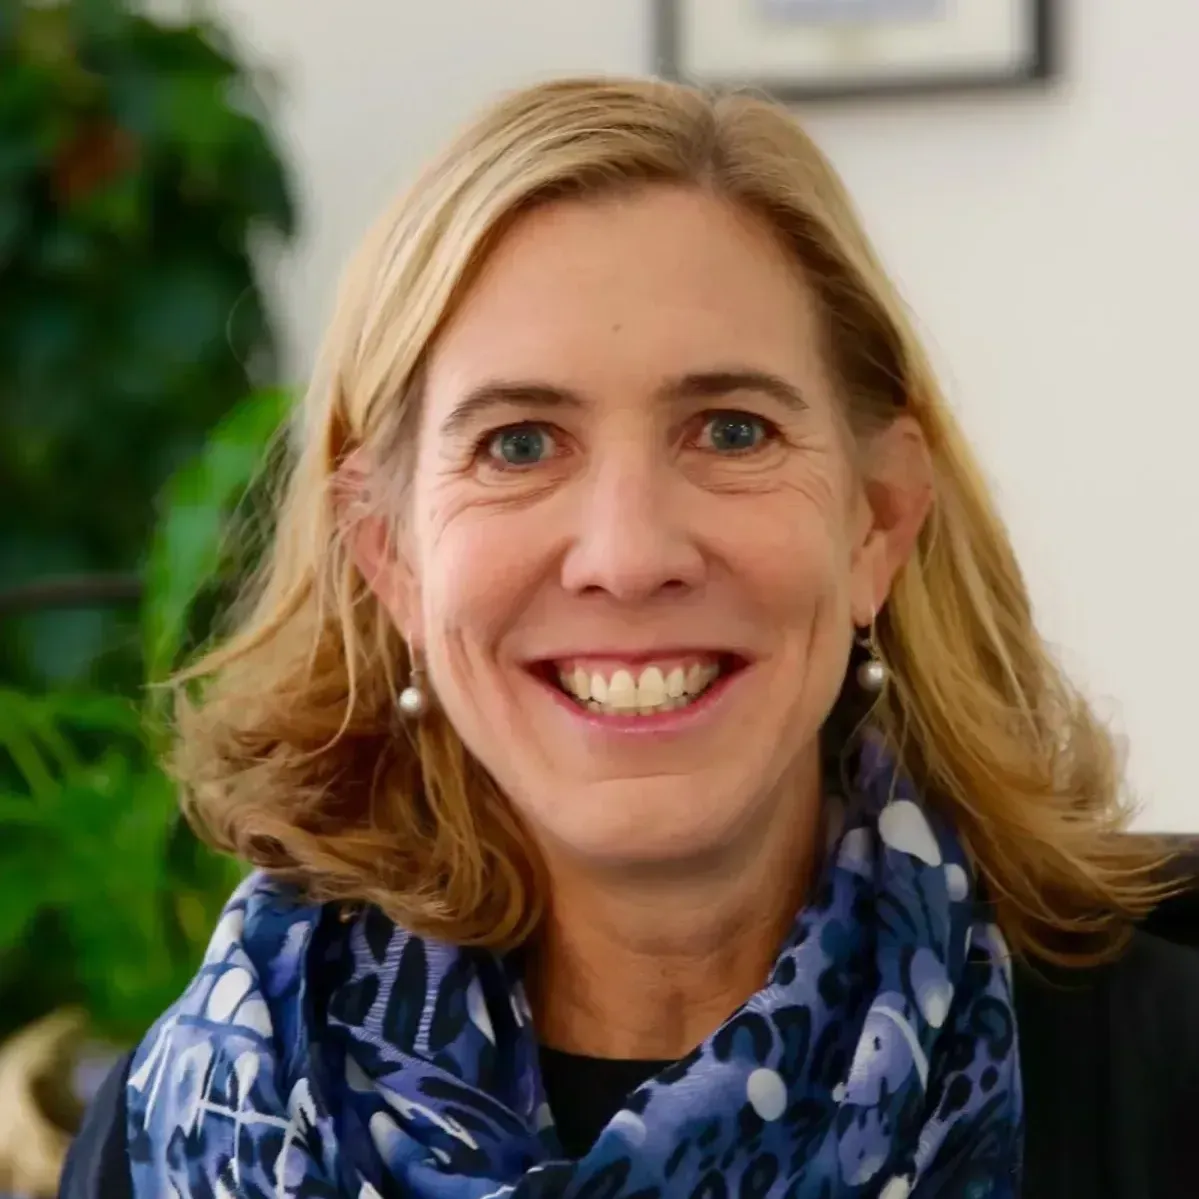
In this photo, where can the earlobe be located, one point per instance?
(871, 581)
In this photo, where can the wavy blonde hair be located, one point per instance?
(289, 750)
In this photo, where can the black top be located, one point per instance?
(584, 1093)
(1109, 1060)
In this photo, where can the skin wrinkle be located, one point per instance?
(635, 531)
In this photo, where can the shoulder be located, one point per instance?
(252, 975)
(1153, 970)
(1145, 1001)
(1110, 1065)
(246, 998)
(1151, 991)
(238, 1024)
(1153, 1014)
(97, 1164)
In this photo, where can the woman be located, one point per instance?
(643, 735)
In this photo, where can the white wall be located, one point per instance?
(1049, 244)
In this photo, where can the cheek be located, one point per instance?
(803, 578)
(797, 547)
(477, 568)
(803, 570)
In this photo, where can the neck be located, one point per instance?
(648, 967)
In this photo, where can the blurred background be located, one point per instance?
(179, 188)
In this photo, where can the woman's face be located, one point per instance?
(639, 543)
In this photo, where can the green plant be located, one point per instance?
(105, 897)
(138, 184)
(137, 180)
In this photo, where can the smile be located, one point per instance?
(645, 688)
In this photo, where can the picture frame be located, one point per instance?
(799, 50)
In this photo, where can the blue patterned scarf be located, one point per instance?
(314, 1057)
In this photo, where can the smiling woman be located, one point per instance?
(643, 734)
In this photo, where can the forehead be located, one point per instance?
(629, 288)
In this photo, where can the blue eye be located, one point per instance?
(521, 445)
(733, 433)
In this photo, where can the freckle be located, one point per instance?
(617, 327)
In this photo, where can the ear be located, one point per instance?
(377, 546)
(897, 494)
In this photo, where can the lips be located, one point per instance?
(645, 686)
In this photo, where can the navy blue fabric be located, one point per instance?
(97, 1166)
(1109, 1060)
(880, 1058)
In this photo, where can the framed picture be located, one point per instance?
(816, 49)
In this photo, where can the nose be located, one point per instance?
(632, 538)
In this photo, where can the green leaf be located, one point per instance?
(45, 36)
(131, 322)
(95, 713)
(23, 884)
(18, 720)
(185, 554)
(118, 208)
(50, 735)
(121, 816)
(16, 812)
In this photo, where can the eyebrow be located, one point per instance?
(715, 384)
(695, 385)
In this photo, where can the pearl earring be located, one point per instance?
(413, 702)
(872, 673)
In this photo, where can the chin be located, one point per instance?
(639, 823)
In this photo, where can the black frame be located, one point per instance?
(1040, 70)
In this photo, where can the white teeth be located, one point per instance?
(622, 691)
(651, 691)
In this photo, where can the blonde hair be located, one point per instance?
(290, 752)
